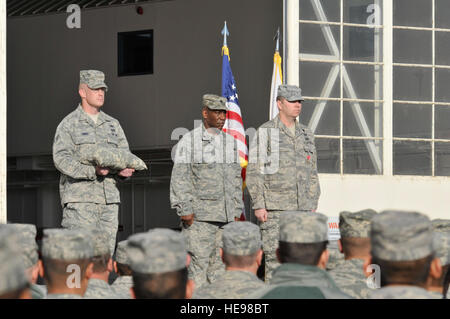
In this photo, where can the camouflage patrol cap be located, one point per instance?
(356, 224)
(303, 227)
(401, 236)
(64, 244)
(441, 225)
(241, 238)
(441, 242)
(290, 92)
(121, 253)
(101, 243)
(158, 251)
(25, 237)
(215, 102)
(93, 79)
(12, 270)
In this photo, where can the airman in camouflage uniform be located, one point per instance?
(442, 248)
(349, 275)
(242, 244)
(441, 241)
(398, 236)
(159, 261)
(206, 189)
(98, 287)
(89, 195)
(291, 278)
(14, 283)
(67, 266)
(282, 171)
(25, 237)
(122, 285)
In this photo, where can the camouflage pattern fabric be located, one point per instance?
(116, 159)
(93, 79)
(121, 287)
(206, 177)
(441, 225)
(25, 235)
(356, 224)
(290, 92)
(38, 291)
(12, 271)
(336, 257)
(400, 292)
(350, 278)
(270, 237)
(294, 275)
(241, 239)
(157, 251)
(63, 296)
(79, 182)
(441, 243)
(303, 227)
(401, 236)
(203, 241)
(215, 102)
(287, 179)
(121, 253)
(99, 289)
(101, 243)
(91, 217)
(230, 285)
(63, 244)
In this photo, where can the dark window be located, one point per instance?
(135, 53)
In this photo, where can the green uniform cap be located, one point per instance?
(441, 242)
(241, 238)
(303, 227)
(215, 102)
(401, 236)
(441, 225)
(121, 253)
(356, 224)
(25, 237)
(93, 79)
(101, 243)
(63, 244)
(158, 251)
(291, 93)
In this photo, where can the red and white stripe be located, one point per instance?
(235, 127)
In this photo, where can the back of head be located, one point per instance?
(122, 260)
(355, 231)
(241, 243)
(303, 237)
(158, 261)
(402, 245)
(13, 280)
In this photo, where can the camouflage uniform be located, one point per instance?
(97, 288)
(89, 201)
(336, 257)
(289, 182)
(401, 236)
(66, 246)
(349, 276)
(206, 181)
(239, 239)
(441, 243)
(122, 285)
(25, 237)
(302, 227)
(12, 271)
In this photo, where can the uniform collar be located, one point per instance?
(279, 124)
(83, 116)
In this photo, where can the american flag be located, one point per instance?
(234, 124)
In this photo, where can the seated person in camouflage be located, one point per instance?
(98, 286)
(159, 261)
(242, 254)
(302, 252)
(124, 282)
(25, 237)
(349, 276)
(14, 282)
(115, 159)
(66, 262)
(402, 246)
(440, 273)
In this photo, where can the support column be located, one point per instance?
(3, 217)
(293, 45)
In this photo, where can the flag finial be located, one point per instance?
(225, 34)
(277, 38)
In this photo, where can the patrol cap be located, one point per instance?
(157, 251)
(441, 241)
(25, 236)
(401, 236)
(121, 253)
(101, 243)
(356, 224)
(241, 238)
(290, 92)
(64, 244)
(303, 227)
(93, 79)
(12, 270)
(215, 102)
(441, 225)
